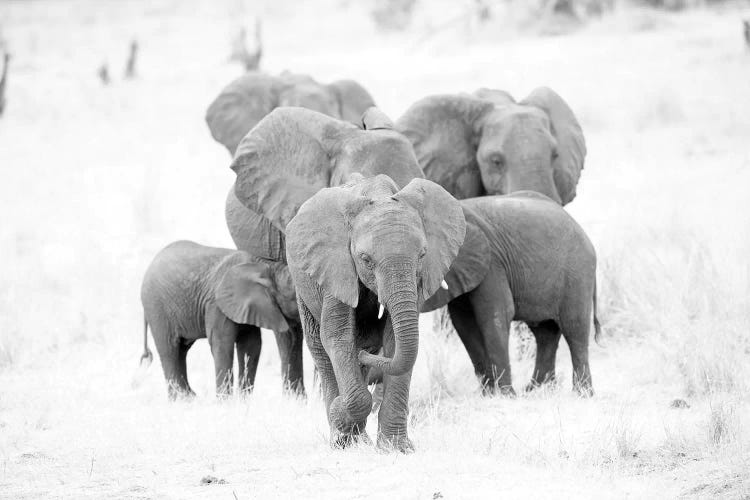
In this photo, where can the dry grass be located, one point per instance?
(95, 180)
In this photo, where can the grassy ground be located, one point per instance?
(96, 179)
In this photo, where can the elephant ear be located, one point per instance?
(470, 266)
(318, 242)
(244, 296)
(240, 106)
(251, 232)
(498, 97)
(374, 119)
(353, 99)
(444, 226)
(284, 160)
(444, 130)
(571, 145)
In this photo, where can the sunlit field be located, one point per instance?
(94, 180)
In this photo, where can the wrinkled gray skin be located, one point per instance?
(524, 259)
(489, 144)
(349, 249)
(191, 291)
(290, 157)
(236, 110)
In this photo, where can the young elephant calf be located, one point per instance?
(191, 291)
(524, 258)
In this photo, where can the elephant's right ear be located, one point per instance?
(244, 296)
(284, 160)
(470, 266)
(317, 242)
(375, 119)
(240, 106)
(444, 130)
(353, 99)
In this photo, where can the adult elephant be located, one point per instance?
(234, 112)
(487, 143)
(291, 155)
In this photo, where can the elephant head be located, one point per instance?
(293, 153)
(245, 101)
(398, 243)
(487, 143)
(245, 290)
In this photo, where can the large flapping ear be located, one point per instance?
(240, 106)
(251, 232)
(284, 160)
(318, 240)
(571, 145)
(444, 226)
(498, 97)
(470, 266)
(353, 99)
(374, 119)
(444, 130)
(244, 295)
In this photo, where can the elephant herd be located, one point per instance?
(348, 226)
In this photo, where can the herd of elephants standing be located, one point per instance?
(349, 225)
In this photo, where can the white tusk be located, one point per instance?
(380, 312)
(443, 285)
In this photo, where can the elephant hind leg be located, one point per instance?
(547, 335)
(290, 351)
(172, 352)
(576, 333)
(249, 345)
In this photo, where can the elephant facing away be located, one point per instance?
(364, 256)
(524, 258)
(489, 144)
(191, 291)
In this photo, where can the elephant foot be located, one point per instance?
(490, 389)
(549, 383)
(342, 440)
(294, 389)
(395, 442)
(180, 394)
(584, 390)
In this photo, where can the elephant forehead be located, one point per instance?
(381, 152)
(518, 117)
(388, 220)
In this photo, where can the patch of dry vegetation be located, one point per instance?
(97, 179)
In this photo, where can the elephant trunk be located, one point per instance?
(532, 172)
(399, 293)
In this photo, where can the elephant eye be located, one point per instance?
(555, 154)
(366, 259)
(497, 159)
(422, 253)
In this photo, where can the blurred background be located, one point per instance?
(98, 171)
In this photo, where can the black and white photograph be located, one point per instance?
(374, 249)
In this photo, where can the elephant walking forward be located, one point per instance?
(524, 258)
(191, 291)
(350, 249)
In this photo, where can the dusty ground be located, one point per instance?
(96, 179)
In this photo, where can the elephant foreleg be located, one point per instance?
(462, 317)
(394, 408)
(493, 307)
(348, 411)
(249, 345)
(290, 352)
(222, 337)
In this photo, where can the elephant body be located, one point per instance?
(525, 259)
(238, 108)
(364, 256)
(351, 181)
(489, 144)
(191, 291)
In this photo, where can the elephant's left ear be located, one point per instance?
(571, 146)
(244, 295)
(375, 119)
(444, 226)
(353, 99)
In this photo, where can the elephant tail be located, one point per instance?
(147, 357)
(597, 325)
